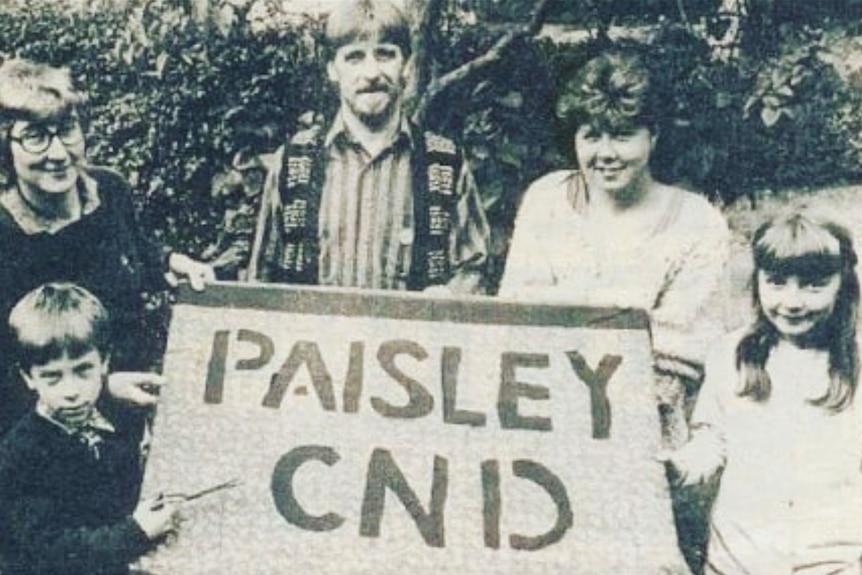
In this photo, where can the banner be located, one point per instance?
(384, 433)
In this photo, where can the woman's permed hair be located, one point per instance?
(803, 244)
(358, 20)
(56, 319)
(35, 92)
(613, 91)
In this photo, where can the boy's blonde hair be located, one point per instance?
(56, 319)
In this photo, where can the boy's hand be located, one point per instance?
(157, 517)
(140, 388)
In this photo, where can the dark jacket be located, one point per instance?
(63, 510)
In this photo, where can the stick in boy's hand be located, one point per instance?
(207, 491)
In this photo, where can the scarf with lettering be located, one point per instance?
(435, 165)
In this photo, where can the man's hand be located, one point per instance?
(183, 267)
(438, 291)
(140, 388)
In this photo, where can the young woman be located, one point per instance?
(777, 411)
(608, 234)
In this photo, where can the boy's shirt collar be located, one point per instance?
(95, 423)
(89, 432)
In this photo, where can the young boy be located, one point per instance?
(70, 477)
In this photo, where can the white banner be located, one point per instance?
(382, 433)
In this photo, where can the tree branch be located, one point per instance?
(683, 16)
(494, 54)
(423, 49)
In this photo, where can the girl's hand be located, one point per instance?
(139, 388)
(157, 517)
(698, 460)
(183, 267)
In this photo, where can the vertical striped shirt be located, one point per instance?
(366, 218)
(366, 213)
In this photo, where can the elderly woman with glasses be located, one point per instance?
(62, 219)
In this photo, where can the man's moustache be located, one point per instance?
(375, 88)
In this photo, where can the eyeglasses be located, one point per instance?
(36, 139)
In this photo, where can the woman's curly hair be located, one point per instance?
(614, 90)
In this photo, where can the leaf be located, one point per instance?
(785, 90)
(749, 104)
(510, 154)
(480, 152)
(771, 101)
(770, 116)
(799, 73)
(780, 76)
(161, 61)
(513, 100)
(480, 89)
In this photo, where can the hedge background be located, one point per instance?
(177, 100)
(182, 100)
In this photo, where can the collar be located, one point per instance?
(96, 422)
(339, 132)
(32, 222)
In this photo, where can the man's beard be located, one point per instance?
(378, 118)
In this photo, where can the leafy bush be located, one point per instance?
(789, 120)
(174, 100)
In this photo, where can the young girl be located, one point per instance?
(777, 412)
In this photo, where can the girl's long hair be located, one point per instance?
(802, 244)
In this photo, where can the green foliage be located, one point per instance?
(174, 101)
(789, 120)
(595, 13)
(164, 91)
(805, 113)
